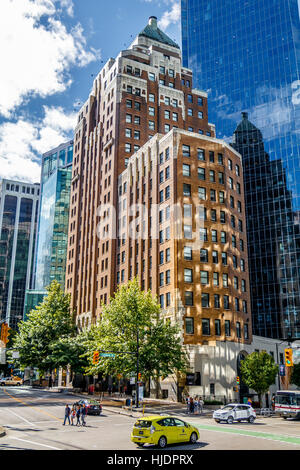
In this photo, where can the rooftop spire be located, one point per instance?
(152, 22)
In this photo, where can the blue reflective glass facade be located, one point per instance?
(246, 55)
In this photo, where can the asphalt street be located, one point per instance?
(33, 421)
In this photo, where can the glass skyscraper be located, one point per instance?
(246, 55)
(52, 237)
(18, 221)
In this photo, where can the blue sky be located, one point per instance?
(51, 49)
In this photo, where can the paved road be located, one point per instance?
(33, 420)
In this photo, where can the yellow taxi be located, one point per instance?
(163, 430)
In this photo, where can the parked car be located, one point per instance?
(93, 407)
(163, 430)
(235, 412)
(11, 381)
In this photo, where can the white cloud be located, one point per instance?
(171, 16)
(23, 142)
(36, 57)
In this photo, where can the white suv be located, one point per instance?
(235, 412)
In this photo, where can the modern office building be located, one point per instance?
(145, 156)
(18, 221)
(51, 245)
(246, 56)
(272, 236)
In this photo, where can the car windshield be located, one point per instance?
(141, 423)
(93, 402)
(228, 407)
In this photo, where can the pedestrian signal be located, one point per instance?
(288, 354)
(96, 357)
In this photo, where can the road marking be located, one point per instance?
(35, 443)
(33, 407)
(258, 434)
(21, 417)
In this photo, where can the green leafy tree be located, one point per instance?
(44, 331)
(132, 318)
(295, 376)
(258, 371)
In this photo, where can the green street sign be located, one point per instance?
(107, 354)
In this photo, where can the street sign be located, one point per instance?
(132, 380)
(15, 355)
(107, 355)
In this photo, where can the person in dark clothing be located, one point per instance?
(192, 405)
(78, 415)
(83, 413)
(67, 414)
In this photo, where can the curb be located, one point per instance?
(2, 432)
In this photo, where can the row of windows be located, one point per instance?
(206, 327)
(25, 189)
(204, 277)
(206, 301)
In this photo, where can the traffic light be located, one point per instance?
(288, 354)
(95, 357)
(238, 380)
(4, 333)
(139, 376)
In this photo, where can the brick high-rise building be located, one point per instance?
(143, 137)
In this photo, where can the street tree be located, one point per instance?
(295, 376)
(130, 322)
(258, 371)
(42, 333)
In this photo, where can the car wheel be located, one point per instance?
(140, 444)
(230, 420)
(193, 438)
(251, 419)
(284, 417)
(162, 442)
(217, 420)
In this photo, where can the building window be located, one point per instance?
(225, 280)
(186, 189)
(216, 301)
(151, 97)
(223, 237)
(204, 277)
(188, 275)
(189, 326)
(201, 154)
(187, 253)
(246, 331)
(216, 279)
(203, 255)
(186, 170)
(187, 232)
(202, 193)
(227, 328)
(217, 327)
(186, 152)
(205, 300)
(205, 327)
(226, 302)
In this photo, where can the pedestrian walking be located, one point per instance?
(200, 405)
(67, 414)
(78, 416)
(83, 413)
(249, 402)
(196, 403)
(73, 415)
(187, 404)
(192, 405)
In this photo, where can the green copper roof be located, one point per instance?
(153, 32)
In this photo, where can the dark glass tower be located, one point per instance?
(273, 237)
(246, 55)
